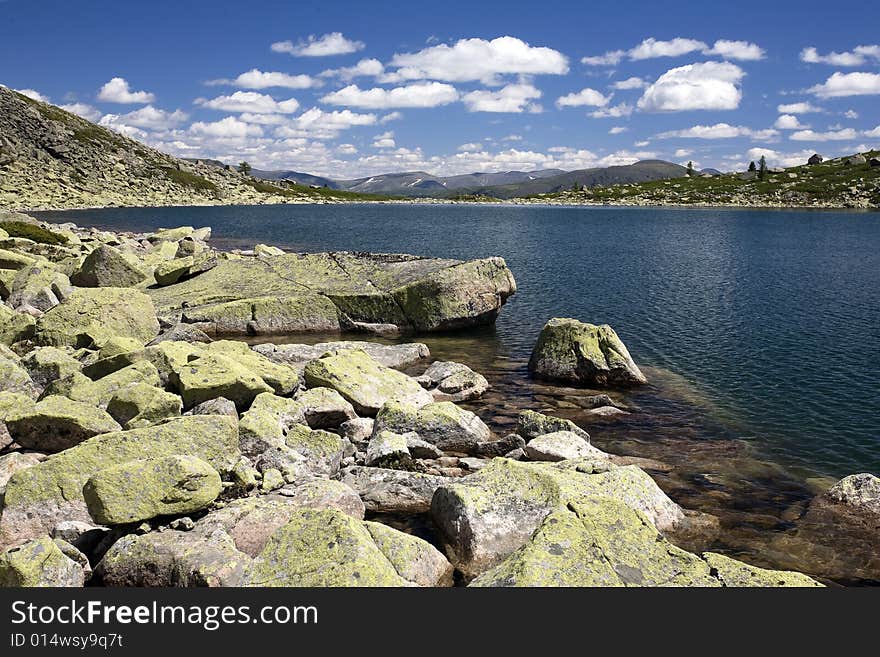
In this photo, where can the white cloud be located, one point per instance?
(87, 112)
(250, 101)
(831, 135)
(512, 138)
(798, 108)
(228, 128)
(873, 134)
(118, 90)
(33, 94)
(611, 58)
(742, 50)
(618, 129)
(651, 48)
(315, 123)
(257, 79)
(478, 59)
(851, 114)
(707, 86)
(329, 44)
(584, 98)
(391, 116)
(364, 68)
(514, 98)
(614, 112)
(470, 148)
(642, 144)
(718, 131)
(264, 119)
(788, 122)
(858, 56)
(147, 117)
(422, 94)
(346, 149)
(630, 83)
(775, 158)
(683, 152)
(848, 84)
(385, 140)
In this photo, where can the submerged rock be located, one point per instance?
(586, 354)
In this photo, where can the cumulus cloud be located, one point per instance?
(228, 128)
(851, 114)
(364, 68)
(718, 131)
(630, 83)
(652, 48)
(873, 134)
(858, 56)
(329, 44)
(87, 112)
(611, 58)
(618, 129)
(613, 112)
(776, 158)
(257, 79)
(33, 94)
(478, 59)
(315, 123)
(683, 152)
(149, 117)
(798, 108)
(848, 84)
(514, 98)
(249, 101)
(788, 122)
(346, 149)
(706, 86)
(742, 50)
(584, 98)
(831, 135)
(423, 94)
(391, 116)
(117, 90)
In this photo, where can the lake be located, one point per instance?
(759, 330)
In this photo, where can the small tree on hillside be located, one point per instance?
(690, 170)
(244, 168)
(762, 167)
(752, 166)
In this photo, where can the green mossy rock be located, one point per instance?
(171, 271)
(531, 424)
(47, 364)
(39, 286)
(39, 563)
(322, 450)
(268, 421)
(449, 427)
(363, 382)
(387, 449)
(415, 560)
(15, 326)
(171, 356)
(289, 314)
(92, 316)
(213, 375)
(325, 408)
(15, 379)
(14, 260)
(141, 405)
(586, 354)
(80, 388)
(7, 277)
(109, 267)
(733, 573)
(57, 423)
(115, 354)
(322, 548)
(39, 497)
(144, 489)
(283, 379)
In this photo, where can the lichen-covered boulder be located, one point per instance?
(79, 387)
(283, 379)
(14, 461)
(322, 548)
(531, 424)
(450, 381)
(169, 357)
(40, 497)
(57, 423)
(218, 406)
(171, 271)
(143, 489)
(15, 326)
(213, 375)
(107, 266)
(486, 516)
(173, 558)
(39, 563)
(14, 379)
(393, 491)
(46, 364)
(39, 286)
(396, 356)
(415, 560)
(575, 352)
(268, 421)
(366, 384)
(387, 449)
(322, 450)
(324, 408)
(561, 445)
(116, 353)
(733, 573)
(91, 316)
(449, 427)
(141, 405)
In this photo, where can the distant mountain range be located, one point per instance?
(507, 184)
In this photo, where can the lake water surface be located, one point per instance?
(759, 330)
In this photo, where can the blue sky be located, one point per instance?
(347, 89)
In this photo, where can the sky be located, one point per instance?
(352, 89)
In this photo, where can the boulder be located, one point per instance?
(500, 447)
(324, 408)
(41, 496)
(218, 406)
(14, 379)
(284, 380)
(415, 560)
(39, 286)
(141, 405)
(443, 424)
(181, 333)
(393, 491)
(322, 548)
(859, 493)
(57, 423)
(322, 450)
(214, 375)
(143, 489)
(449, 381)
(357, 430)
(91, 316)
(171, 271)
(561, 445)
(15, 326)
(46, 364)
(108, 267)
(116, 353)
(396, 356)
(531, 424)
(79, 387)
(362, 381)
(14, 461)
(575, 352)
(733, 573)
(39, 563)
(267, 423)
(387, 449)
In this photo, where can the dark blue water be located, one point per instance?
(773, 316)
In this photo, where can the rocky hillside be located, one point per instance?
(52, 159)
(845, 182)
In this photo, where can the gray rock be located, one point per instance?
(531, 424)
(57, 423)
(387, 448)
(397, 356)
(39, 563)
(392, 491)
(561, 445)
(450, 381)
(414, 559)
(108, 267)
(324, 408)
(449, 427)
(216, 406)
(357, 430)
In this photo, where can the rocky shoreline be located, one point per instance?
(139, 446)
